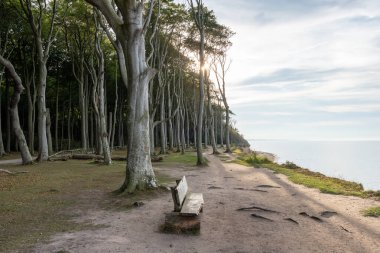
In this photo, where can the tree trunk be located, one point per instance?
(200, 160)
(187, 128)
(18, 88)
(115, 111)
(227, 130)
(2, 150)
(139, 174)
(92, 129)
(130, 31)
(7, 114)
(43, 151)
(101, 99)
(49, 138)
(110, 124)
(163, 122)
(211, 116)
(31, 113)
(170, 123)
(56, 113)
(82, 104)
(178, 132)
(69, 120)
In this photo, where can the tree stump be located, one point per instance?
(176, 224)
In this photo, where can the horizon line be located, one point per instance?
(287, 139)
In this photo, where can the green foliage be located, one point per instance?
(372, 212)
(188, 159)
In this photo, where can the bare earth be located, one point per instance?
(227, 187)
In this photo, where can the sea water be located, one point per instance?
(357, 161)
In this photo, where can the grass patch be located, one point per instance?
(372, 212)
(40, 203)
(188, 159)
(309, 178)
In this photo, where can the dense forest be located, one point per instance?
(98, 75)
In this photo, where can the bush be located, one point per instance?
(290, 165)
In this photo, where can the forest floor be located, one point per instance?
(301, 219)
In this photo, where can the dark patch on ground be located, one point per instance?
(328, 214)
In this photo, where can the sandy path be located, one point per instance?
(226, 230)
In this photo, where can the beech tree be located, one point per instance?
(199, 19)
(220, 69)
(43, 42)
(130, 26)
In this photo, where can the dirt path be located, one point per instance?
(227, 187)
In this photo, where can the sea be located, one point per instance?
(357, 161)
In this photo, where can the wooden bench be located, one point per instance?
(187, 204)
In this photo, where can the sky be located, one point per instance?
(305, 69)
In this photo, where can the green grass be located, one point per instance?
(188, 159)
(309, 178)
(372, 212)
(40, 203)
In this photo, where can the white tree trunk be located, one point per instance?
(130, 31)
(18, 88)
(43, 150)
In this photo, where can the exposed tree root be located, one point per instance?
(12, 173)
(291, 220)
(256, 208)
(267, 186)
(260, 217)
(311, 216)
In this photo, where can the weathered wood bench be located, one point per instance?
(187, 204)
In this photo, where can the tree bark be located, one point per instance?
(69, 120)
(163, 123)
(49, 137)
(56, 111)
(130, 31)
(2, 150)
(7, 115)
(18, 88)
(43, 49)
(211, 116)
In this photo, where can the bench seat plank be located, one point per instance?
(192, 205)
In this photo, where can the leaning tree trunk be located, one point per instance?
(18, 88)
(2, 150)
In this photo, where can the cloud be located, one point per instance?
(352, 108)
(288, 74)
(304, 63)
